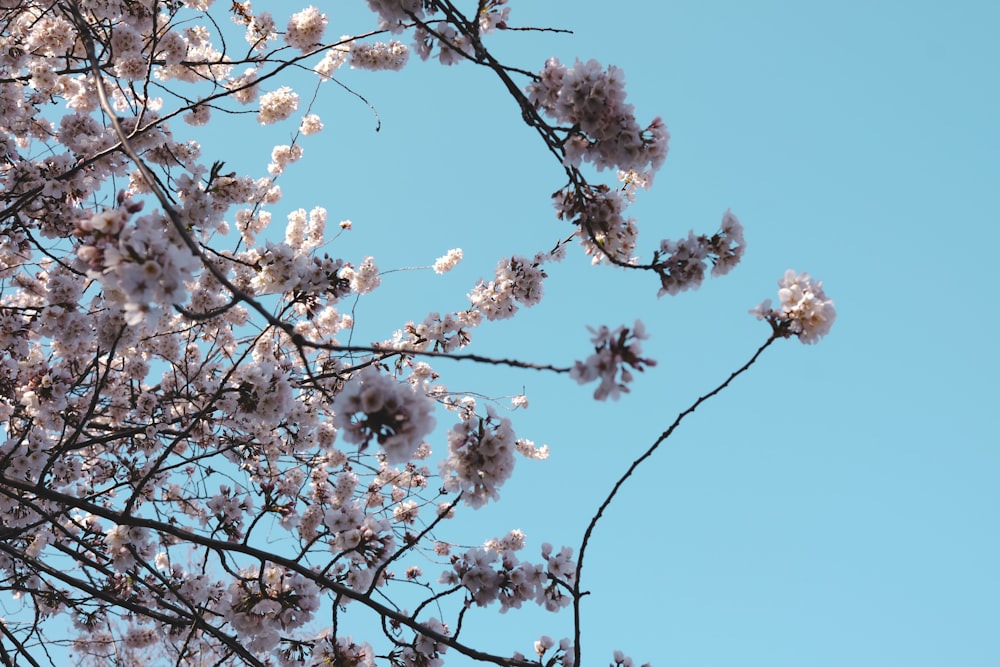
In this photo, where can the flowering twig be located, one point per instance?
(577, 593)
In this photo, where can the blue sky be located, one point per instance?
(838, 504)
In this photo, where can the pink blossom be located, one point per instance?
(373, 406)
(616, 354)
(480, 457)
(588, 97)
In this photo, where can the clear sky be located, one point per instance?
(838, 505)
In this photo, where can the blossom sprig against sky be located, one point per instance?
(305, 29)
(684, 261)
(277, 105)
(592, 101)
(616, 355)
(380, 56)
(449, 261)
(493, 573)
(805, 310)
(206, 454)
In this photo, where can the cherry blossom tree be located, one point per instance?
(198, 464)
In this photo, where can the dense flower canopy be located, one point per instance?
(196, 460)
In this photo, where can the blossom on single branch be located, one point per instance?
(805, 310)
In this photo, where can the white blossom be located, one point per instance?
(311, 124)
(449, 261)
(334, 58)
(805, 309)
(380, 56)
(277, 105)
(305, 28)
(363, 279)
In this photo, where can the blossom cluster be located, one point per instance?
(372, 406)
(262, 604)
(606, 234)
(684, 261)
(141, 266)
(439, 333)
(517, 280)
(603, 129)
(305, 28)
(562, 652)
(395, 14)
(805, 310)
(616, 355)
(344, 652)
(622, 660)
(453, 45)
(480, 455)
(447, 262)
(380, 56)
(493, 16)
(334, 58)
(277, 105)
(493, 573)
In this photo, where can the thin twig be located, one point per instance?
(577, 594)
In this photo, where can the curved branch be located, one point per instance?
(577, 593)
